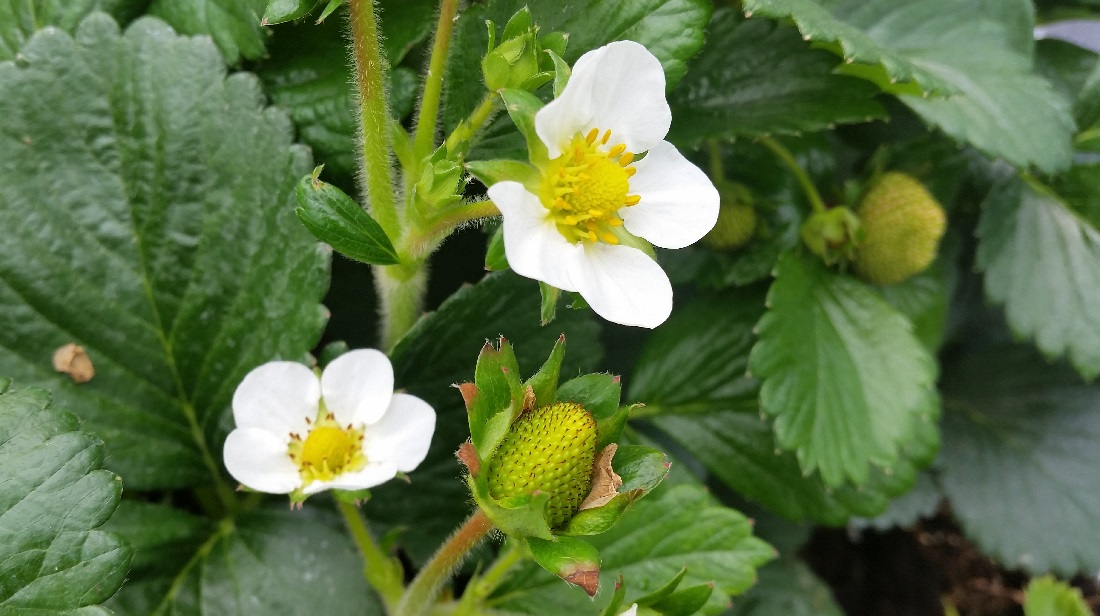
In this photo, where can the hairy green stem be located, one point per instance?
(382, 572)
(799, 173)
(421, 594)
(374, 118)
(481, 587)
(469, 127)
(424, 140)
(401, 290)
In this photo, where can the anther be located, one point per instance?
(633, 200)
(606, 136)
(592, 134)
(630, 171)
(615, 151)
(625, 159)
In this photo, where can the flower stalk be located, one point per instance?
(799, 173)
(424, 140)
(382, 572)
(422, 592)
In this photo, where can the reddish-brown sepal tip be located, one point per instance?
(587, 577)
(467, 455)
(469, 392)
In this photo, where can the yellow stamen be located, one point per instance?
(585, 187)
(328, 451)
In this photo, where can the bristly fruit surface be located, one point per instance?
(551, 449)
(902, 224)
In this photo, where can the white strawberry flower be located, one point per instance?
(346, 430)
(568, 231)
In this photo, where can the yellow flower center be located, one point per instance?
(585, 187)
(328, 450)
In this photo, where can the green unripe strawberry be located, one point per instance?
(551, 449)
(735, 226)
(902, 227)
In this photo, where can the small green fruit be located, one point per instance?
(735, 226)
(551, 449)
(902, 226)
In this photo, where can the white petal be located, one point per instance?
(369, 476)
(357, 386)
(679, 203)
(278, 397)
(620, 86)
(535, 247)
(623, 285)
(259, 459)
(633, 611)
(403, 435)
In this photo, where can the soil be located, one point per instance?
(917, 572)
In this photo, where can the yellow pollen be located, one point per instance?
(328, 450)
(585, 187)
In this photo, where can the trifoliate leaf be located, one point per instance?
(1018, 459)
(841, 371)
(1041, 259)
(758, 78)
(671, 29)
(672, 528)
(154, 227)
(19, 20)
(233, 24)
(788, 587)
(1047, 596)
(334, 218)
(53, 496)
(268, 561)
(964, 66)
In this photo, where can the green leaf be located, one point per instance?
(841, 371)
(691, 377)
(52, 498)
(20, 19)
(1019, 449)
(404, 24)
(434, 355)
(676, 527)
(334, 218)
(281, 11)
(233, 24)
(788, 587)
(975, 58)
(269, 561)
(1047, 596)
(162, 238)
(671, 29)
(923, 300)
(1042, 261)
(757, 78)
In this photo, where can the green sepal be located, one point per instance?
(402, 144)
(441, 182)
(332, 6)
(334, 218)
(833, 234)
(522, 107)
(331, 351)
(562, 72)
(544, 383)
(664, 591)
(495, 258)
(282, 11)
(490, 172)
(574, 560)
(684, 602)
(555, 43)
(548, 307)
(641, 468)
(599, 394)
(353, 497)
(499, 397)
(518, 516)
(615, 606)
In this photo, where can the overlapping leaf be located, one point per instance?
(1042, 260)
(757, 78)
(20, 19)
(843, 375)
(264, 562)
(233, 24)
(149, 209)
(671, 29)
(672, 528)
(1019, 459)
(53, 496)
(963, 66)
